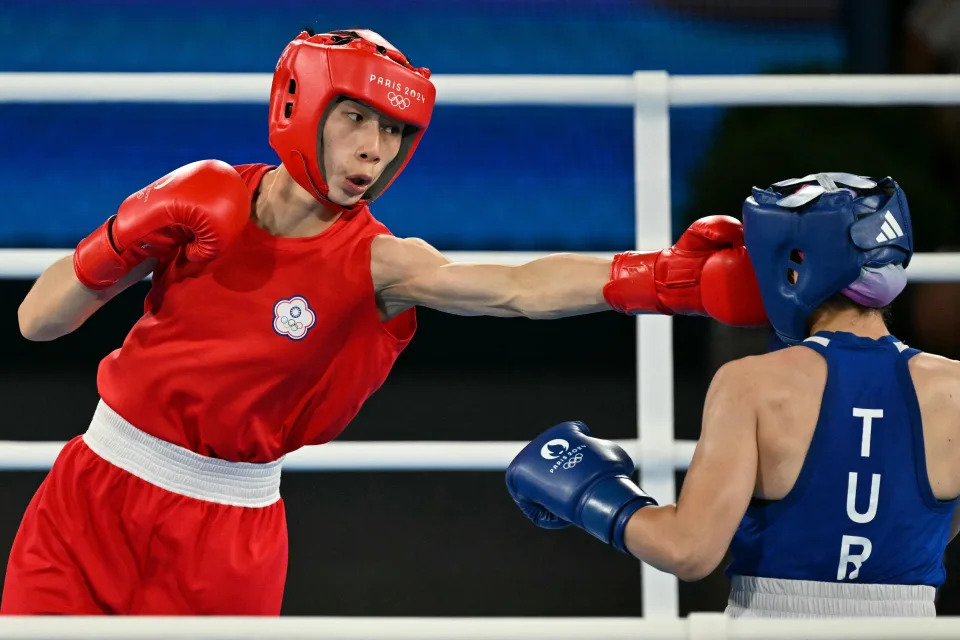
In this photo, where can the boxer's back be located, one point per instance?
(844, 492)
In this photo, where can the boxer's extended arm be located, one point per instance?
(409, 272)
(58, 304)
(690, 538)
(707, 272)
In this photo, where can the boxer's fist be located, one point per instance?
(706, 273)
(566, 477)
(729, 289)
(202, 207)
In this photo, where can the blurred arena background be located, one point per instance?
(485, 178)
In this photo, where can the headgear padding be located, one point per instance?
(833, 230)
(314, 71)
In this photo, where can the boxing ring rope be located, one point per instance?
(567, 90)
(698, 626)
(21, 264)
(418, 455)
(651, 94)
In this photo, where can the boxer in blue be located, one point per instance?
(830, 468)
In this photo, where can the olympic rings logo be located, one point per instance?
(292, 324)
(572, 462)
(398, 101)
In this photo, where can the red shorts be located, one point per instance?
(98, 539)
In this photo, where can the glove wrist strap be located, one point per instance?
(606, 508)
(96, 262)
(623, 517)
(632, 287)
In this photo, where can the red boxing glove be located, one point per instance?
(729, 289)
(708, 272)
(203, 205)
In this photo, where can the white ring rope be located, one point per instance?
(416, 455)
(698, 626)
(30, 263)
(597, 90)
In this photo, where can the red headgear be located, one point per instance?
(314, 71)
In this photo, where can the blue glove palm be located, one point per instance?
(565, 477)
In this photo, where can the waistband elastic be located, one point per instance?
(753, 597)
(179, 470)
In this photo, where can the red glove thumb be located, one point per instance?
(711, 233)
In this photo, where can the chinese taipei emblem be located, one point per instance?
(293, 318)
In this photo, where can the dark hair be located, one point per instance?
(840, 302)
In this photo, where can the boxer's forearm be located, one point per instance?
(657, 536)
(58, 303)
(408, 272)
(551, 287)
(561, 285)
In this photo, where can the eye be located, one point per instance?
(392, 129)
(353, 115)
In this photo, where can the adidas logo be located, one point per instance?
(890, 229)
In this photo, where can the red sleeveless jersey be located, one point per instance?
(271, 346)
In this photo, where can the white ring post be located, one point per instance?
(651, 144)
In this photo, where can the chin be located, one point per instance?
(344, 200)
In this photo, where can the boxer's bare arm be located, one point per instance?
(409, 272)
(937, 383)
(58, 304)
(690, 538)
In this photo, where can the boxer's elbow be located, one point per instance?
(685, 557)
(692, 570)
(34, 328)
(29, 327)
(693, 562)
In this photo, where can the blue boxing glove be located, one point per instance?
(566, 477)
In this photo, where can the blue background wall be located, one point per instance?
(483, 178)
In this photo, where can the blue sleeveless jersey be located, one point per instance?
(862, 509)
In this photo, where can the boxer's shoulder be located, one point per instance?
(935, 368)
(778, 377)
(936, 380)
(396, 261)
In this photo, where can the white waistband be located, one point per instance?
(179, 470)
(752, 597)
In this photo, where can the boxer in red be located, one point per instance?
(278, 305)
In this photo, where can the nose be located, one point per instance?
(368, 142)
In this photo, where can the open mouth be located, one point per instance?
(360, 180)
(357, 184)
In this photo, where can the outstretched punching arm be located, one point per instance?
(409, 272)
(706, 273)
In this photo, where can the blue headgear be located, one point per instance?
(838, 232)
